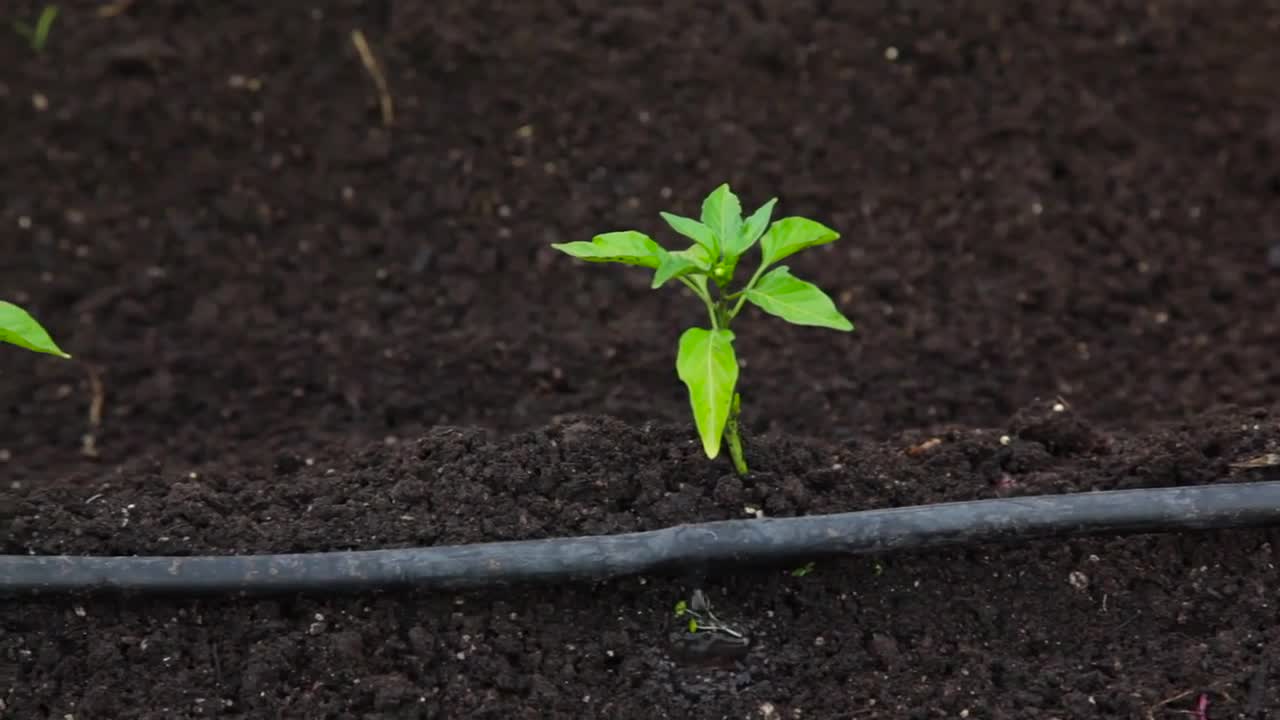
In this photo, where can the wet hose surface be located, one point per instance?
(675, 549)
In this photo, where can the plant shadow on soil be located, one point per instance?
(317, 333)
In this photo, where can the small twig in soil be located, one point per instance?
(1202, 704)
(1151, 711)
(88, 443)
(375, 71)
(924, 447)
(1262, 461)
(213, 656)
(114, 8)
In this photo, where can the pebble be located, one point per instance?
(1078, 580)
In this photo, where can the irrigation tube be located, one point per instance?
(678, 548)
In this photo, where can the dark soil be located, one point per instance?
(314, 332)
(1090, 628)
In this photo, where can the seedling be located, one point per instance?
(38, 35)
(700, 618)
(706, 361)
(17, 327)
(803, 570)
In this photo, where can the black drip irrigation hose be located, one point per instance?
(678, 548)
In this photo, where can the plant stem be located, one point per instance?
(722, 314)
(720, 318)
(742, 294)
(706, 300)
(734, 438)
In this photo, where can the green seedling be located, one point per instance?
(803, 570)
(38, 35)
(705, 360)
(700, 617)
(17, 327)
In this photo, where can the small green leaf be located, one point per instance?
(680, 263)
(698, 254)
(681, 608)
(693, 230)
(17, 327)
(627, 247)
(722, 212)
(44, 25)
(707, 365)
(791, 235)
(782, 294)
(693, 625)
(672, 266)
(753, 228)
(803, 570)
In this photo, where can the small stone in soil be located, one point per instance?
(1078, 580)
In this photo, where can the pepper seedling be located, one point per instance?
(705, 360)
(38, 35)
(700, 617)
(17, 327)
(803, 570)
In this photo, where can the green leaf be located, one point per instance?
(680, 263)
(693, 230)
(672, 266)
(627, 247)
(43, 26)
(782, 294)
(793, 234)
(681, 608)
(722, 212)
(803, 570)
(17, 327)
(693, 625)
(698, 254)
(707, 365)
(753, 228)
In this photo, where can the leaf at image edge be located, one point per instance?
(17, 327)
